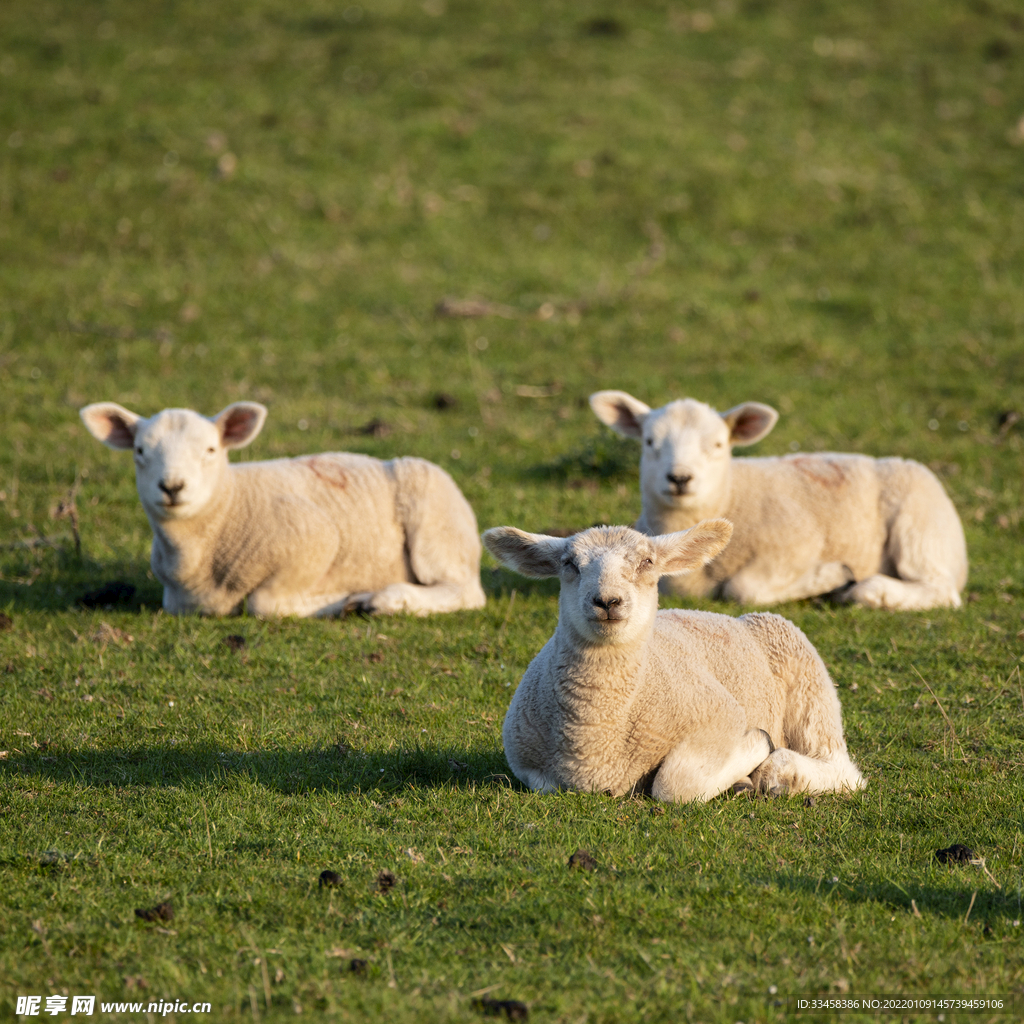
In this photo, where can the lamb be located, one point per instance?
(314, 535)
(688, 703)
(880, 533)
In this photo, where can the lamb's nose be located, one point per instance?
(171, 490)
(607, 602)
(679, 480)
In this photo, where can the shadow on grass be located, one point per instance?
(603, 456)
(336, 769)
(500, 582)
(976, 896)
(48, 578)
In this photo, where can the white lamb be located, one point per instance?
(881, 533)
(314, 535)
(626, 697)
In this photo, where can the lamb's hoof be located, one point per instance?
(780, 790)
(744, 786)
(359, 604)
(841, 595)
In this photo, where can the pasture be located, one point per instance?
(815, 205)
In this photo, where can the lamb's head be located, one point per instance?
(180, 456)
(609, 574)
(686, 446)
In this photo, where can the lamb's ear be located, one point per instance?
(690, 549)
(240, 423)
(749, 422)
(623, 413)
(532, 554)
(111, 423)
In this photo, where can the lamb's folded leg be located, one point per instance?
(416, 599)
(754, 587)
(695, 770)
(786, 771)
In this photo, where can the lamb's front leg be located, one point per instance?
(416, 599)
(758, 584)
(697, 770)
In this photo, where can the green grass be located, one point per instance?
(816, 205)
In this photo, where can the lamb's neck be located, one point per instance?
(600, 673)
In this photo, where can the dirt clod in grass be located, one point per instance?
(604, 27)
(6, 622)
(236, 642)
(443, 401)
(161, 912)
(955, 854)
(583, 860)
(329, 879)
(512, 1009)
(108, 595)
(998, 49)
(809, 801)
(457, 766)
(1006, 421)
(376, 428)
(385, 880)
(472, 308)
(357, 966)
(751, 295)
(107, 634)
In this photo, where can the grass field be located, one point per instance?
(818, 205)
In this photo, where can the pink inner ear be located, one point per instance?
(121, 433)
(238, 427)
(749, 424)
(624, 418)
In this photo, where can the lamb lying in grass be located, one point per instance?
(881, 533)
(314, 535)
(698, 702)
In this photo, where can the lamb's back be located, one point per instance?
(355, 493)
(695, 651)
(824, 506)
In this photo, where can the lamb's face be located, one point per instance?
(180, 456)
(609, 582)
(609, 574)
(686, 446)
(179, 461)
(685, 453)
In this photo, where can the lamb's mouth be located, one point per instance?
(170, 507)
(674, 494)
(609, 619)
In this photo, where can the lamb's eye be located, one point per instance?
(645, 565)
(571, 566)
(210, 451)
(650, 442)
(138, 450)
